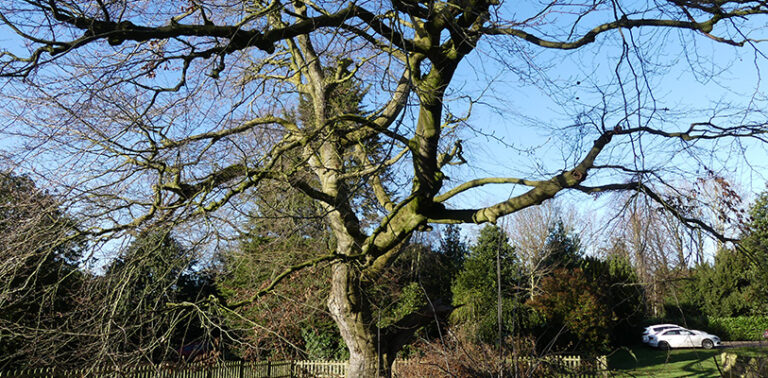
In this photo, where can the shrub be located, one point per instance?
(455, 356)
(740, 328)
(745, 328)
(450, 358)
(577, 319)
(324, 344)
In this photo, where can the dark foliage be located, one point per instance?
(39, 251)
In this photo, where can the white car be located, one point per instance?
(683, 338)
(655, 329)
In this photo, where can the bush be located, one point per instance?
(740, 328)
(452, 357)
(455, 356)
(324, 344)
(743, 328)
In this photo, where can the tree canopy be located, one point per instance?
(178, 113)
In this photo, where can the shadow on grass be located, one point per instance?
(702, 367)
(643, 358)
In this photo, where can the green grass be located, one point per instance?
(749, 352)
(642, 361)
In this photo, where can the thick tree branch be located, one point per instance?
(485, 181)
(540, 192)
(626, 23)
(705, 131)
(239, 38)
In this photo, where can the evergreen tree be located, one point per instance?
(621, 292)
(39, 276)
(733, 286)
(154, 272)
(575, 316)
(562, 249)
(453, 248)
(755, 240)
(737, 283)
(475, 287)
(289, 322)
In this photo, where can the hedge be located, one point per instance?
(741, 328)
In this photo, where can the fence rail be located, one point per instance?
(568, 366)
(571, 366)
(228, 369)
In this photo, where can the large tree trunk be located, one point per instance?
(372, 351)
(352, 314)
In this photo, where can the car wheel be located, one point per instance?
(707, 344)
(663, 345)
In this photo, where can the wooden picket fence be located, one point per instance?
(565, 366)
(321, 369)
(570, 366)
(228, 369)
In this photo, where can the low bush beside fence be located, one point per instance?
(572, 366)
(548, 366)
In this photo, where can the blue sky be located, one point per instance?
(523, 115)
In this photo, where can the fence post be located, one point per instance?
(603, 362)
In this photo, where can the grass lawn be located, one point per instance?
(643, 361)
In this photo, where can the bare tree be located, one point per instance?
(176, 113)
(660, 245)
(530, 230)
(641, 233)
